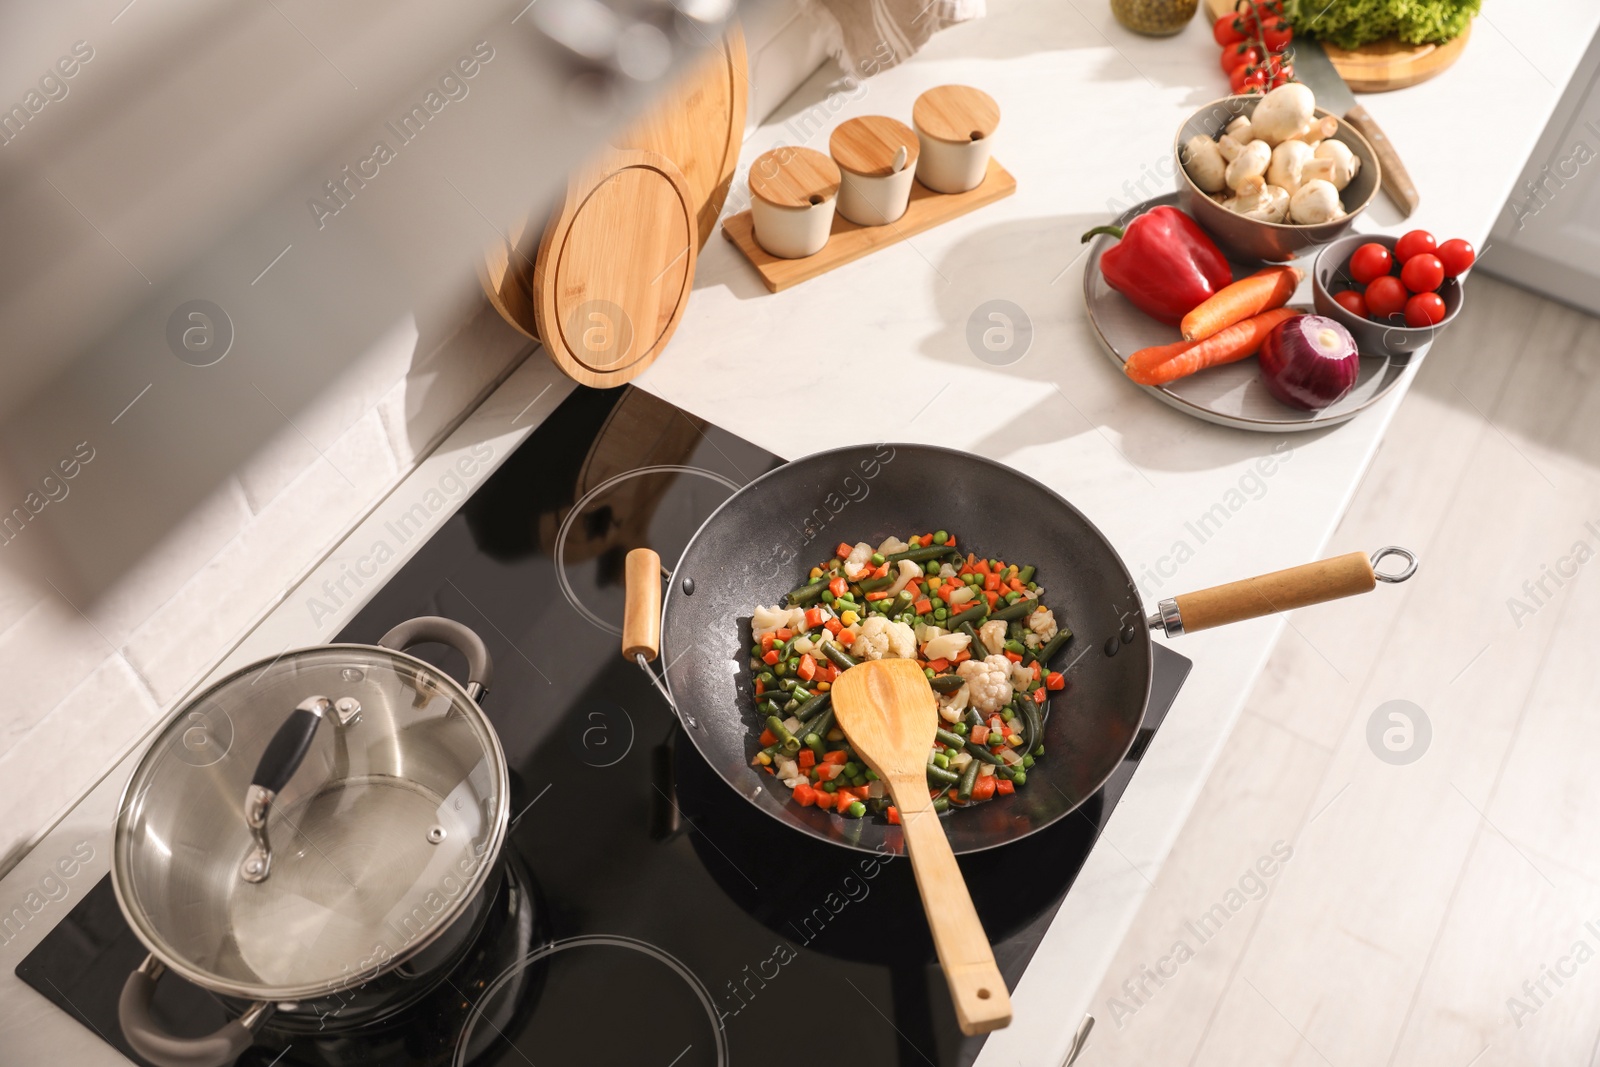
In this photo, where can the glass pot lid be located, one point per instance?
(374, 839)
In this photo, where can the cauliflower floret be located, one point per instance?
(1020, 676)
(927, 632)
(946, 571)
(993, 636)
(989, 680)
(891, 545)
(909, 572)
(882, 638)
(859, 559)
(946, 646)
(951, 705)
(765, 620)
(1043, 623)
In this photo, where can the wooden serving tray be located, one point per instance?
(848, 241)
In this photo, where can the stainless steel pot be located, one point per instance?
(308, 826)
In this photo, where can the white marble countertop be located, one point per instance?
(1088, 115)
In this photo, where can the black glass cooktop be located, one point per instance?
(649, 916)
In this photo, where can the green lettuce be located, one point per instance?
(1353, 23)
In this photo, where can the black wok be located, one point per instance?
(761, 542)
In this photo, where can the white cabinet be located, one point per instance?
(1548, 236)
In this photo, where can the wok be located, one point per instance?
(764, 538)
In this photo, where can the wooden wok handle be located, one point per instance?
(976, 988)
(1396, 180)
(1296, 587)
(641, 613)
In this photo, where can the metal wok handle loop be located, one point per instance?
(1393, 550)
(161, 1048)
(425, 628)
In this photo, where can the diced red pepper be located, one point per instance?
(894, 814)
(1039, 695)
(1005, 787)
(980, 734)
(839, 587)
(823, 799)
(771, 657)
(983, 788)
(808, 667)
(837, 758)
(768, 738)
(807, 759)
(1054, 680)
(939, 665)
(991, 582)
(1014, 657)
(923, 606)
(807, 796)
(813, 618)
(843, 552)
(783, 633)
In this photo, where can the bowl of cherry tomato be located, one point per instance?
(1394, 294)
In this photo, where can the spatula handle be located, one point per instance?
(976, 987)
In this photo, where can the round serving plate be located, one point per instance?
(1233, 394)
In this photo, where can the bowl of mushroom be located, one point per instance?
(1269, 176)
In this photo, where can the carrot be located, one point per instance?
(1261, 291)
(1153, 366)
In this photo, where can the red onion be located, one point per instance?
(1309, 362)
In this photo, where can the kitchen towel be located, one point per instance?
(868, 36)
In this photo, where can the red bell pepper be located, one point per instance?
(1164, 263)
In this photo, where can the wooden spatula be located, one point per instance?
(886, 708)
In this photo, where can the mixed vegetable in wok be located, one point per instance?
(978, 627)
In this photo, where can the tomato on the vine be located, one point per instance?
(1281, 73)
(1247, 79)
(1422, 273)
(1352, 301)
(1371, 260)
(1228, 30)
(1414, 243)
(1277, 34)
(1456, 256)
(1424, 309)
(1239, 55)
(1386, 296)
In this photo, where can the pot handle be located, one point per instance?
(1267, 594)
(279, 760)
(152, 1042)
(641, 613)
(480, 668)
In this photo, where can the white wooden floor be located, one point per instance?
(1420, 897)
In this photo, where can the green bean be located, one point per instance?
(805, 594)
(955, 741)
(1025, 575)
(922, 555)
(977, 611)
(1032, 724)
(841, 659)
(938, 776)
(941, 804)
(981, 752)
(1054, 645)
(1016, 648)
(1016, 611)
(814, 707)
(969, 778)
(872, 585)
(947, 683)
(790, 743)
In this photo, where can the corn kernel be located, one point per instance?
(835, 734)
(816, 572)
(849, 618)
(823, 687)
(763, 759)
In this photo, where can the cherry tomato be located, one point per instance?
(1457, 257)
(1227, 30)
(1276, 34)
(1386, 296)
(1237, 55)
(1424, 309)
(1413, 243)
(1282, 74)
(1422, 273)
(1370, 261)
(1247, 79)
(1352, 301)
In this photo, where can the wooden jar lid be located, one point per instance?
(956, 113)
(794, 177)
(615, 267)
(867, 145)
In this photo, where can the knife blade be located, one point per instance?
(1312, 66)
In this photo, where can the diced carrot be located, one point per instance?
(846, 638)
(1034, 667)
(950, 542)
(844, 550)
(894, 814)
(839, 587)
(1005, 787)
(984, 788)
(1016, 585)
(823, 799)
(991, 582)
(981, 567)
(807, 759)
(923, 606)
(833, 626)
(813, 618)
(838, 757)
(1054, 680)
(767, 641)
(783, 633)
(771, 657)
(808, 667)
(807, 796)
(827, 772)
(993, 596)
(963, 656)
(1014, 657)
(878, 594)
(760, 687)
(927, 539)
(768, 738)
(1039, 696)
(979, 735)
(939, 665)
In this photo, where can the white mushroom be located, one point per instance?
(1204, 164)
(1230, 147)
(1318, 129)
(1239, 130)
(1288, 159)
(1315, 201)
(1258, 200)
(1251, 162)
(1283, 113)
(1333, 162)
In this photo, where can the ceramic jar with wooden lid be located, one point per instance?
(955, 124)
(877, 158)
(792, 196)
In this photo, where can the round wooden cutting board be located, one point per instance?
(614, 267)
(699, 125)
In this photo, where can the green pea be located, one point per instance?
(959, 728)
(940, 537)
(877, 557)
(932, 568)
(856, 810)
(852, 770)
(928, 671)
(1027, 761)
(940, 614)
(871, 775)
(830, 787)
(827, 596)
(1019, 777)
